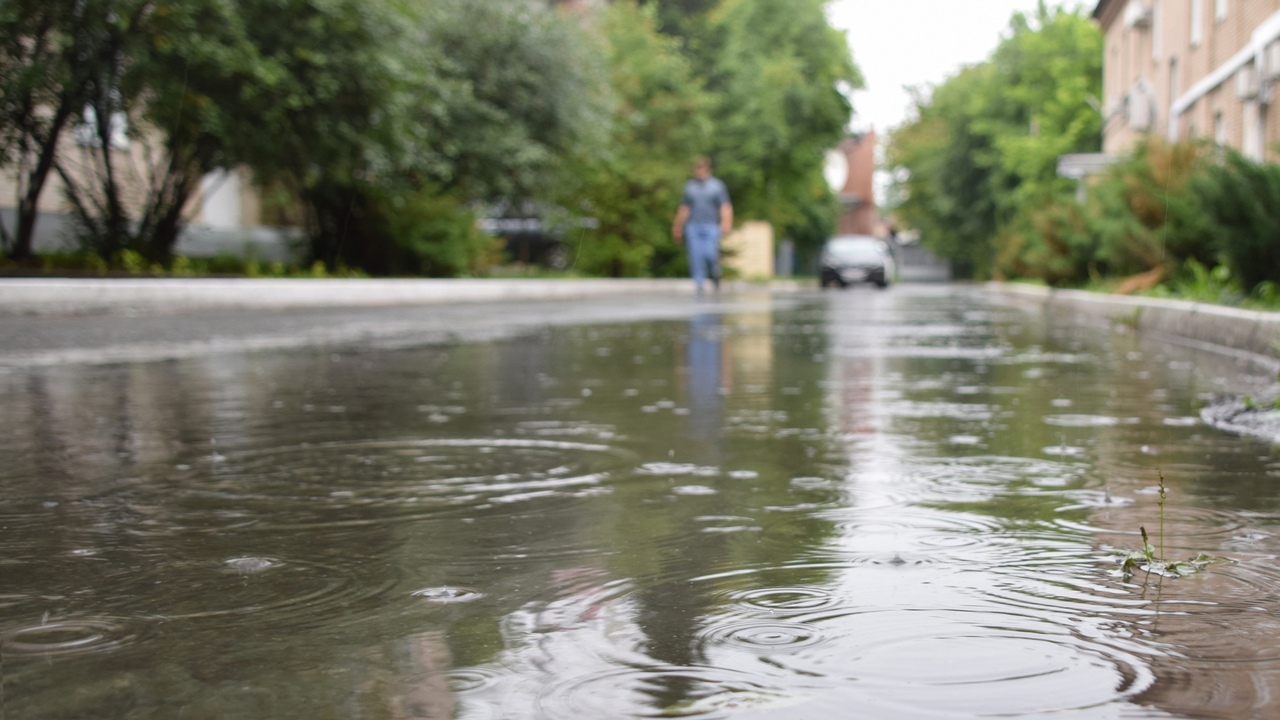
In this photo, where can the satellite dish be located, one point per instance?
(835, 168)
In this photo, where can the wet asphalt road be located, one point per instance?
(121, 336)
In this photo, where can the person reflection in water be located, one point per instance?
(705, 214)
(704, 381)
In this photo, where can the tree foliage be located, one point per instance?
(281, 87)
(486, 100)
(782, 81)
(505, 89)
(385, 125)
(51, 69)
(980, 155)
(660, 120)
(288, 87)
(761, 86)
(948, 173)
(1237, 199)
(1144, 212)
(1197, 218)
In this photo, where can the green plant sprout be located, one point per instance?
(1150, 562)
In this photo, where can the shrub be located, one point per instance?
(1238, 199)
(435, 235)
(1051, 243)
(1145, 214)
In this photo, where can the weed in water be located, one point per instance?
(1150, 562)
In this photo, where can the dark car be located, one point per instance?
(533, 240)
(848, 259)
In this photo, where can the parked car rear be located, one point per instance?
(849, 259)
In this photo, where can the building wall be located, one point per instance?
(54, 228)
(749, 250)
(1150, 66)
(859, 214)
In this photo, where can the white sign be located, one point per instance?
(835, 168)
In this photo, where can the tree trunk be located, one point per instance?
(159, 245)
(28, 204)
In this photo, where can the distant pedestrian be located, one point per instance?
(705, 215)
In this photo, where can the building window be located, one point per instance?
(87, 132)
(1252, 144)
(1219, 128)
(1197, 22)
(220, 200)
(1219, 10)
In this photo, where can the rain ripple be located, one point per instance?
(637, 691)
(377, 482)
(259, 591)
(74, 636)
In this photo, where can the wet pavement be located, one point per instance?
(119, 334)
(913, 503)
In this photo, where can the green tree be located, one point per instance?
(189, 79)
(517, 88)
(760, 85)
(1051, 74)
(1144, 211)
(355, 108)
(1237, 198)
(780, 86)
(946, 171)
(979, 158)
(50, 70)
(659, 123)
(191, 86)
(487, 99)
(683, 19)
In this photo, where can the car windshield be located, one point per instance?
(855, 249)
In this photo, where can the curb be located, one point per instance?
(53, 296)
(1252, 332)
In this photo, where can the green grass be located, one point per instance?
(131, 264)
(525, 270)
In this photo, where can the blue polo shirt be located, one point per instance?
(704, 198)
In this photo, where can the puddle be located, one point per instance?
(912, 503)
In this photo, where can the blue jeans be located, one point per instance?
(702, 241)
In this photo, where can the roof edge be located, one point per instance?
(1104, 10)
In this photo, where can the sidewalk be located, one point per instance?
(1251, 333)
(57, 296)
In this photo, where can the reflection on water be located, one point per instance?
(907, 502)
(707, 379)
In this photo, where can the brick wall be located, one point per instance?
(1157, 62)
(859, 215)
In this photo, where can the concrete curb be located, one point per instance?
(55, 296)
(1249, 331)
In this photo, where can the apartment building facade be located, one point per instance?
(1185, 69)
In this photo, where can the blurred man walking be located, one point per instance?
(705, 214)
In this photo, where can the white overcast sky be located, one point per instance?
(899, 43)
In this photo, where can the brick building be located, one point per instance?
(1191, 68)
(855, 158)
